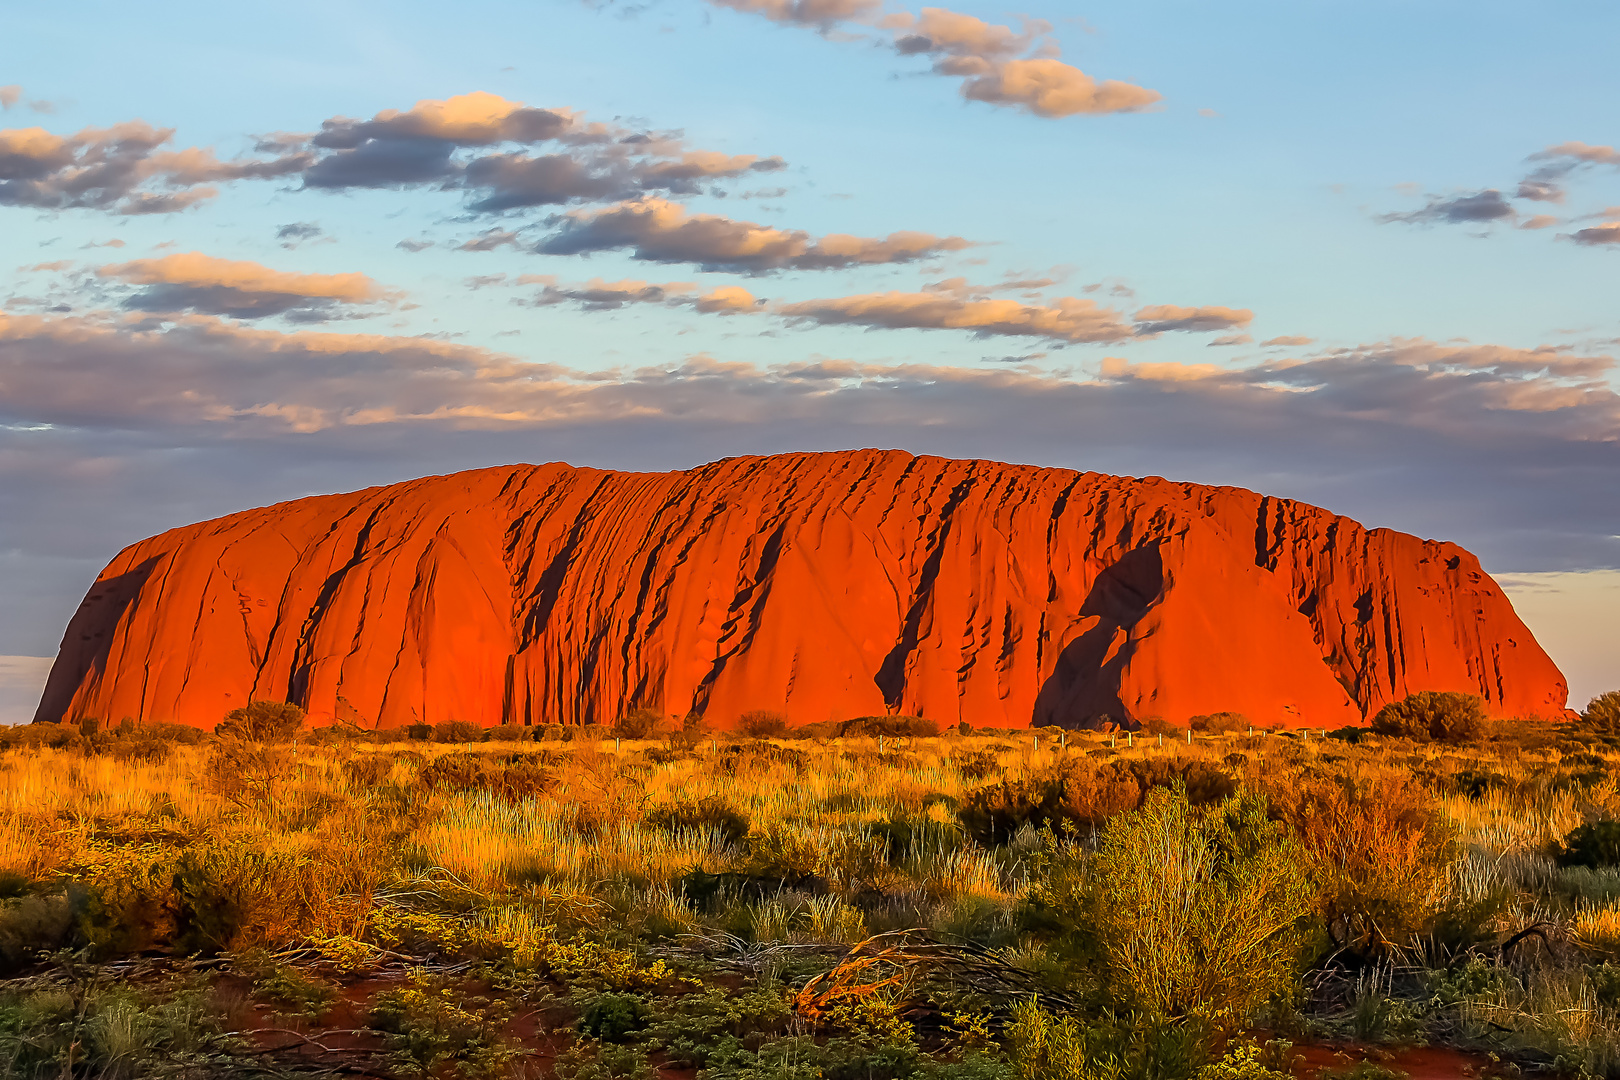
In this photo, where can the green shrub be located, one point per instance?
(262, 721)
(1602, 713)
(30, 925)
(610, 1017)
(1199, 912)
(430, 1029)
(1596, 845)
(1440, 716)
(296, 993)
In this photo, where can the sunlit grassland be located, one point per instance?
(1415, 870)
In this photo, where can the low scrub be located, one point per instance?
(1434, 716)
(509, 778)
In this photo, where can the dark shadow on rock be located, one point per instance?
(88, 639)
(1083, 689)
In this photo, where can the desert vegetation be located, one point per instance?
(876, 899)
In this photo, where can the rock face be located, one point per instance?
(823, 586)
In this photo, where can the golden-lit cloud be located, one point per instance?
(590, 162)
(657, 230)
(984, 55)
(1067, 319)
(192, 281)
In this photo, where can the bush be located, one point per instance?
(1220, 723)
(610, 1017)
(1083, 795)
(1201, 910)
(509, 733)
(262, 721)
(637, 724)
(1602, 713)
(247, 774)
(510, 778)
(368, 770)
(889, 726)
(32, 924)
(730, 823)
(1380, 856)
(1441, 716)
(762, 724)
(457, 731)
(1595, 845)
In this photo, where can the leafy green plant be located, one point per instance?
(610, 1017)
(1199, 913)
(431, 1028)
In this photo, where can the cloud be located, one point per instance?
(985, 56)
(820, 14)
(1546, 183)
(661, 231)
(727, 300)
(121, 169)
(413, 246)
(1538, 221)
(1513, 451)
(1067, 319)
(1480, 207)
(1597, 235)
(1051, 88)
(590, 162)
(242, 290)
(490, 239)
(1286, 339)
(952, 304)
(599, 295)
(1167, 318)
(295, 233)
(10, 95)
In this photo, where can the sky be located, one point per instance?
(1363, 255)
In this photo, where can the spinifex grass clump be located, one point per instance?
(891, 902)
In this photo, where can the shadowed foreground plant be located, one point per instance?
(1602, 713)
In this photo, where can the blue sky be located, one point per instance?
(1444, 371)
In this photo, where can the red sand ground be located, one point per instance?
(824, 586)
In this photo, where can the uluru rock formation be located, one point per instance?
(824, 586)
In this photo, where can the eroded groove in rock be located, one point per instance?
(824, 586)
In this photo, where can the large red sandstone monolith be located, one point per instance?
(824, 586)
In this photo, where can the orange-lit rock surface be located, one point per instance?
(824, 586)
